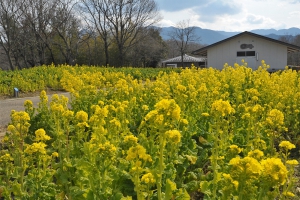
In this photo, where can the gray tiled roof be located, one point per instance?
(186, 58)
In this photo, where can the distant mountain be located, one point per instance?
(291, 31)
(208, 36)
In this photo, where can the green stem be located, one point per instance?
(161, 162)
(21, 150)
(137, 182)
(67, 145)
(215, 172)
(215, 155)
(272, 144)
(38, 178)
(261, 192)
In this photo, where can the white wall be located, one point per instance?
(273, 53)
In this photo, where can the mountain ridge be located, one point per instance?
(208, 36)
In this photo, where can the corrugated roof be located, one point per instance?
(290, 47)
(186, 58)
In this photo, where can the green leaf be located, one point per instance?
(118, 196)
(16, 189)
(182, 195)
(205, 187)
(170, 187)
(90, 195)
(126, 198)
(191, 186)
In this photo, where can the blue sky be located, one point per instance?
(231, 15)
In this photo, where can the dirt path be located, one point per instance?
(6, 105)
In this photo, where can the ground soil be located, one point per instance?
(31, 94)
(2, 131)
(22, 97)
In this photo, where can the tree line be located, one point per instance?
(92, 32)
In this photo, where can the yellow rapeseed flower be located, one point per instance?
(54, 154)
(82, 125)
(57, 108)
(274, 170)
(148, 178)
(184, 121)
(55, 97)
(236, 184)
(222, 108)
(192, 159)
(151, 114)
(176, 112)
(275, 118)
(257, 108)
(5, 158)
(227, 176)
(11, 128)
(205, 114)
(68, 114)
(246, 166)
(138, 152)
(21, 116)
(168, 107)
(145, 107)
(174, 135)
(40, 135)
(292, 162)
(257, 154)
(37, 147)
(287, 145)
(159, 119)
(81, 116)
(28, 105)
(288, 194)
(107, 148)
(43, 97)
(131, 139)
(115, 122)
(235, 149)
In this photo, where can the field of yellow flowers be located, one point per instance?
(142, 134)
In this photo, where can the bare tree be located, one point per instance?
(95, 14)
(9, 27)
(286, 38)
(127, 18)
(182, 35)
(149, 49)
(36, 30)
(67, 27)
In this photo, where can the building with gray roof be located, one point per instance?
(250, 47)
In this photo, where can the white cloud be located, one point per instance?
(177, 5)
(209, 12)
(252, 19)
(236, 16)
(294, 14)
(172, 18)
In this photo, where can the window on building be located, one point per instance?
(241, 53)
(172, 65)
(250, 53)
(245, 53)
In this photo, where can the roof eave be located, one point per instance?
(290, 47)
